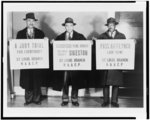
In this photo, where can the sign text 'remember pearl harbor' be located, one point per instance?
(29, 54)
(115, 54)
(72, 55)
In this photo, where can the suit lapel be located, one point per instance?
(63, 36)
(25, 33)
(107, 34)
(74, 35)
(116, 35)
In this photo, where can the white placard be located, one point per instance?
(115, 54)
(72, 55)
(29, 53)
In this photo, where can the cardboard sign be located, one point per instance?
(29, 54)
(72, 55)
(115, 54)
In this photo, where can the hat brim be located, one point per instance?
(30, 18)
(68, 22)
(116, 23)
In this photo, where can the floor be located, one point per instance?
(18, 101)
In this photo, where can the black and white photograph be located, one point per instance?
(74, 59)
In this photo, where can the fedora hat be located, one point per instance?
(30, 16)
(111, 20)
(68, 20)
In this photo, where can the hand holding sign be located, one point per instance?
(52, 41)
(94, 38)
(46, 38)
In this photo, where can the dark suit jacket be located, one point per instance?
(78, 78)
(29, 77)
(113, 77)
(38, 34)
(76, 36)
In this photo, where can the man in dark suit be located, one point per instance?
(113, 77)
(75, 78)
(30, 79)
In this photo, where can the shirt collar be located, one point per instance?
(112, 34)
(30, 30)
(71, 33)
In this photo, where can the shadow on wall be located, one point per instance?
(98, 27)
(46, 21)
(44, 24)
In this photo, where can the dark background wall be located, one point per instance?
(132, 23)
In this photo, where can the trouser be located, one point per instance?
(114, 97)
(33, 95)
(74, 92)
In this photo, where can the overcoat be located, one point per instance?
(32, 77)
(112, 77)
(95, 77)
(78, 78)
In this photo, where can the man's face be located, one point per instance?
(30, 23)
(111, 27)
(69, 27)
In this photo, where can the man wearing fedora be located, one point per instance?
(74, 78)
(113, 77)
(31, 79)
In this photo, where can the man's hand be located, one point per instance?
(91, 42)
(135, 41)
(45, 38)
(94, 38)
(51, 41)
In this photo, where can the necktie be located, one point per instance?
(68, 36)
(30, 33)
(111, 35)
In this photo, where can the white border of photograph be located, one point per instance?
(140, 113)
